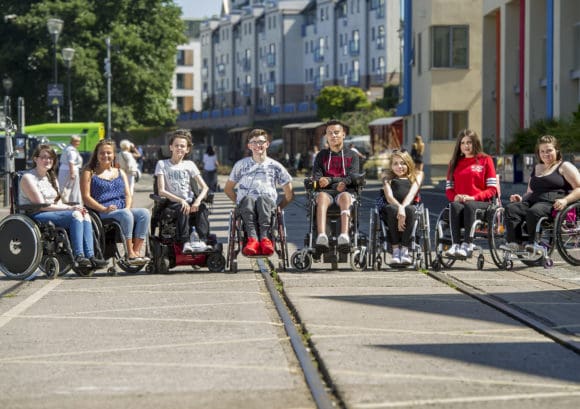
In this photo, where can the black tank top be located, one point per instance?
(550, 187)
(400, 188)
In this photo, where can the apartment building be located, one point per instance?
(272, 58)
(186, 86)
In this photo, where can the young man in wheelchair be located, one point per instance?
(553, 185)
(174, 177)
(257, 178)
(333, 172)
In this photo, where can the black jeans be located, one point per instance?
(184, 222)
(463, 215)
(518, 212)
(389, 216)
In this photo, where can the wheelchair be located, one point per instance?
(237, 239)
(27, 245)
(420, 249)
(357, 251)
(560, 231)
(485, 227)
(166, 253)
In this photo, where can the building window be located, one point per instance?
(447, 124)
(450, 46)
(419, 51)
(576, 46)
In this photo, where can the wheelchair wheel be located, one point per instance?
(301, 260)
(425, 240)
(496, 237)
(50, 266)
(373, 247)
(162, 265)
(358, 261)
(282, 239)
(547, 240)
(216, 262)
(440, 249)
(20, 246)
(567, 228)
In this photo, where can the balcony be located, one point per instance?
(354, 48)
(221, 69)
(271, 59)
(246, 64)
(246, 90)
(317, 82)
(380, 13)
(380, 43)
(271, 87)
(353, 79)
(204, 72)
(289, 108)
(318, 55)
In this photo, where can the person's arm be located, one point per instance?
(414, 190)
(229, 190)
(354, 167)
(389, 193)
(490, 181)
(204, 189)
(128, 196)
(572, 176)
(30, 190)
(450, 187)
(288, 195)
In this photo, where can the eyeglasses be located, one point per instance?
(258, 142)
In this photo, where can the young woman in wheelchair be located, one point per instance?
(470, 186)
(400, 189)
(40, 185)
(554, 183)
(257, 178)
(174, 182)
(333, 172)
(105, 189)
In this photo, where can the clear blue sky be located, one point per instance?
(199, 8)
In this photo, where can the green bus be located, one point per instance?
(58, 134)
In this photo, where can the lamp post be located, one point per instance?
(54, 26)
(7, 84)
(67, 55)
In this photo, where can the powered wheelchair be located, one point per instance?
(27, 245)
(379, 246)
(357, 250)
(237, 239)
(166, 253)
(559, 231)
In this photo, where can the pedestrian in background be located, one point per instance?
(71, 162)
(128, 163)
(210, 165)
(417, 152)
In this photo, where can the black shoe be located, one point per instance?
(82, 261)
(98, 262)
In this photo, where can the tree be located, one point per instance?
(144, 36)
(333, 101)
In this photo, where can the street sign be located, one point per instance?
(55, 95)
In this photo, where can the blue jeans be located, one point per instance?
(79, 227)
(133, 222)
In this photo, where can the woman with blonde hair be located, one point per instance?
(417, 152)
(400, 189)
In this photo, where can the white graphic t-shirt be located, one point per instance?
(177, 177)
(259, 179)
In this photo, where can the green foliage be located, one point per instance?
(144, 37)
(566, 130)
(359, 120)
(390, 98)
(335, 100)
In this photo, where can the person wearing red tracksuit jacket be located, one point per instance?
(471, 184)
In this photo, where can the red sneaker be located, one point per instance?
(252, 247)
(266, 246)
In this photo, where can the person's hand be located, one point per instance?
(467, 198)
(560, 204)
(184, 206)
(323, 182)
(515, 198)
(401, 219)
(341, 187)
(194, 207)
(458, 198)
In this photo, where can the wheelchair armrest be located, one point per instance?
(32, 208)
(158, 199)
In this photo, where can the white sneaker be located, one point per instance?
(451, 251)
(187, 248)
(322, 240)
(461, 250)
(343, 240)
(405, 259)
(467, 248)
(396, 259)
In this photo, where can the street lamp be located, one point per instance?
(7, 84)
(67, 56)
(54, 26)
